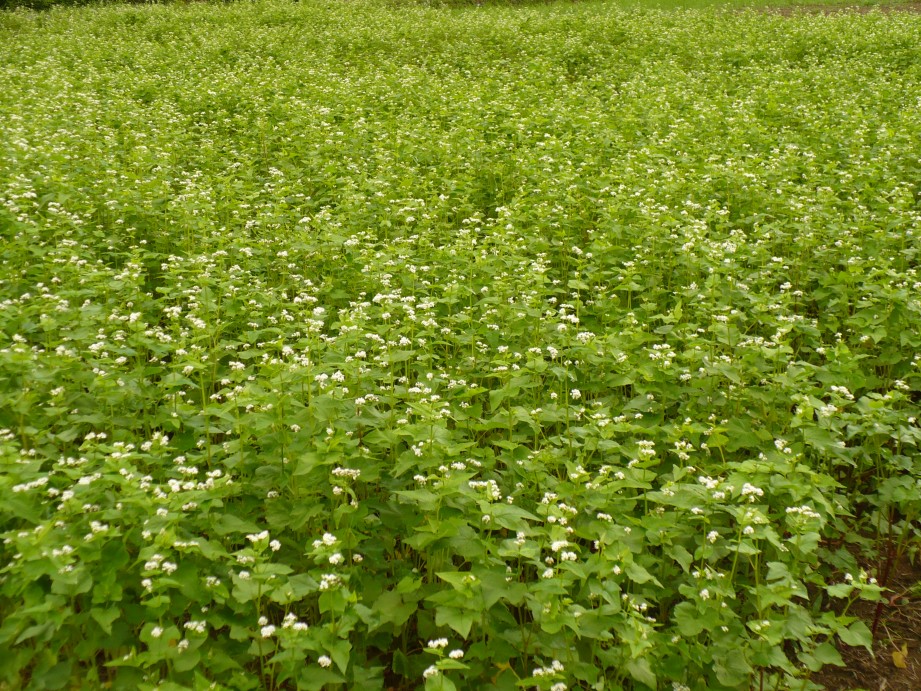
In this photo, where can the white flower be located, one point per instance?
(156, 632)
(430, 672)
(328, 539)
(456, 654)
(438, 643)
(350, 473)
(324, 661)
(805, 511)
(196, 626)
(329, 581)
(750, 491)
(267, 631)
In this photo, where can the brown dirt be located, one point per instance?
(899, 625)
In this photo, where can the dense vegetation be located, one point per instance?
(557, 347)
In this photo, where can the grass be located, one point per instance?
(559, 346)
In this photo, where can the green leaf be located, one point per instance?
(294, 588)
(20, 509)
(839, 589)
(857, 634)
(425, 499)
(36, 631)
(314, 678)
(717, 439)
(742, 435)
(497, 396)
(640, 575)
(105, 617)
(401, 664)
(339, 651)
(777, 570)
(731, 668)
(230, 523)
(461, 580)
(824, 654)
(686, 617)
(641, 670)
(55, 677)
(400, 356)
(246, 590)
(460, 620)
(408, 584)
(806, 542)
(391, 608)
(439, 682)
(511, 517)
(185, 661)
(821, 439)
(682, 556)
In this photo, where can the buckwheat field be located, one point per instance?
(365, 346)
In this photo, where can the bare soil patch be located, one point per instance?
(898, 631)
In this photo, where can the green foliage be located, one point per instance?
(48, 4)
(452, 349)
